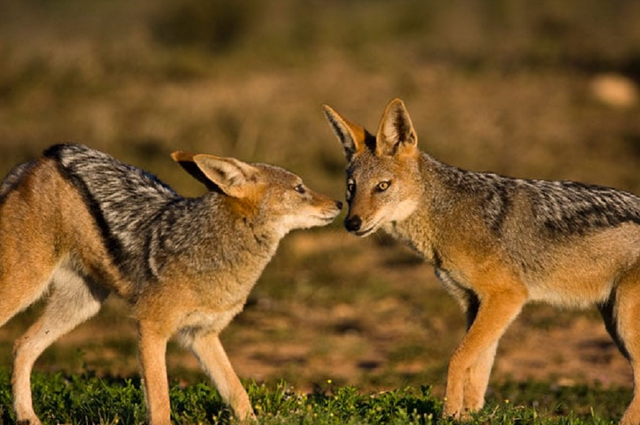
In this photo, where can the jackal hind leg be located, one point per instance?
(622, 314)
(209, 351)
(72, 301)
(20, 287)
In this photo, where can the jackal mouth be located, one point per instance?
(366, 232)
(328, 216)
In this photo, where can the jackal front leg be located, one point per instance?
(471, 362)
(153, 347)
(477, 380)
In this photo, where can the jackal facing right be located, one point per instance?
(497, 242)
(77, 225)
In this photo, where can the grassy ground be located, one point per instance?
(499, 85)
(85, 399)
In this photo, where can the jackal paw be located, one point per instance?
(456, 413)
(32, 421)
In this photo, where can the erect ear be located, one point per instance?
(228, 175)
(186, 162)
(352, 136)
(396, 133)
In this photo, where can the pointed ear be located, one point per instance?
(228, 175)
(352, 136)
(396, 133)
(185, 160)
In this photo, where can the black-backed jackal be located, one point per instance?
(77, 224)
(496, 243)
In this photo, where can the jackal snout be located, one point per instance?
(330, 209)
(312, 209)
(286, 198)
(353, 224)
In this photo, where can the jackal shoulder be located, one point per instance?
(124, 201)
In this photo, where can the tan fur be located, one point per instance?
(496, 243)
(51, 244)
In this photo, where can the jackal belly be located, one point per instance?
(576, 289)
(585, 270)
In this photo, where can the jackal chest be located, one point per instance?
(194, 305)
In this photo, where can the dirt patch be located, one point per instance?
(579, 352)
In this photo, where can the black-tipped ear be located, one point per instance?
(186, 162)
(228, 175)
(396, 133)
(352, 136)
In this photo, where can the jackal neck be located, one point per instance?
(420, 230)
(210, 233)
(205, 242)
(450, 206)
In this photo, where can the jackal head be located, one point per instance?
(266, 195)
(383, 171)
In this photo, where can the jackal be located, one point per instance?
(79, 225)
(496, 243)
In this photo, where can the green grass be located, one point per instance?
(87, 399)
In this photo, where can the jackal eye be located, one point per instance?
(300, 189)
(351, 187)
(383, 185)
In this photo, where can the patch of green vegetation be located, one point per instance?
(591, 404)
(79, 399)
(86, 399)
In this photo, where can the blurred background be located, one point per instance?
(541, 89)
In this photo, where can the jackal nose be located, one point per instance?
(339, 205)
(353, 224)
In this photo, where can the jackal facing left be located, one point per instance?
(78, 224)
(496, 243)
